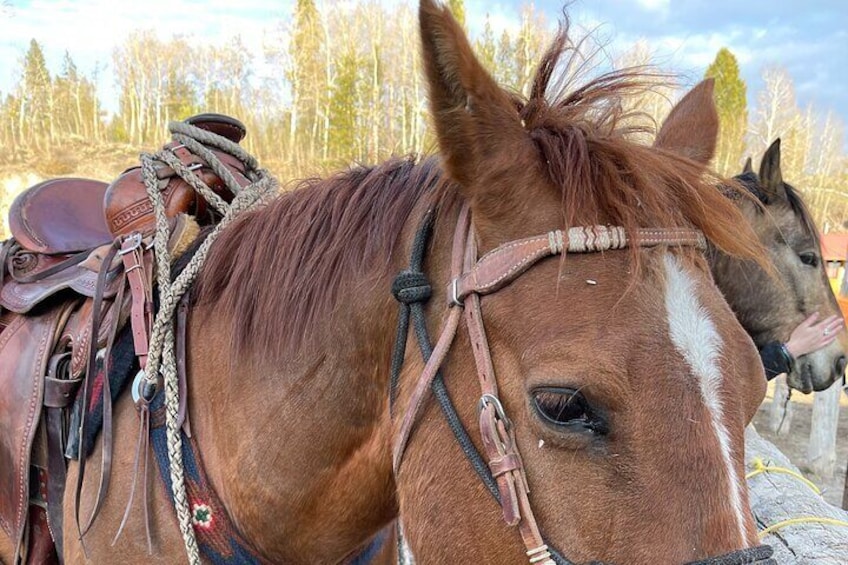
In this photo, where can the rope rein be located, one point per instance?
(161, 362)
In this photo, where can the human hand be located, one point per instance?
(811, 336)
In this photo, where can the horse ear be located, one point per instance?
(771, 179)
(473, 116)
(691, 128)
(749, 166)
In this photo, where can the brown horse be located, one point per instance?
(626, 377)
(769, 307)
(698, 142)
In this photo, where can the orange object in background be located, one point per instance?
(834, 253)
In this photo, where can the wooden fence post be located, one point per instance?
(821, 451)
(776, 497)
(780, 414)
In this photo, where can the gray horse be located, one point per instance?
(769, 305)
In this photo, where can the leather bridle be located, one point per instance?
(471, 277)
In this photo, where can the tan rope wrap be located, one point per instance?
(162, 357)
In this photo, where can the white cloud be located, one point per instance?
(654, 5)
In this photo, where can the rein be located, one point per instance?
(504, 474)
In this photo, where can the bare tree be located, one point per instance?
(648, 108)
(776, 112)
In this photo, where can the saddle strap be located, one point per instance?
(88, 389)
(138, 269)
(72, 260)
(59, 393)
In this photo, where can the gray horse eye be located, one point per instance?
(810, 259)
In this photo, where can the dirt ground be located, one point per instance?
(794, 444)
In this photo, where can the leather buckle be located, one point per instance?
(130, 244)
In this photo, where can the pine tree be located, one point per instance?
(731, 102)
(485, 46)
(457, 7)
(36, 98)
(343, 108)
(305, 76)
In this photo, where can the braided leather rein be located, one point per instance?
(504, 473)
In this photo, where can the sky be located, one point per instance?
(809, 39)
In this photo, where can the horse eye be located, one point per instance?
(568, 408)
(810, 259)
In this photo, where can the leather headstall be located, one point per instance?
(472, 277)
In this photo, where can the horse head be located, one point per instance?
(771, 304)
(622, 377)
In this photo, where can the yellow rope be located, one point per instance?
(760, 468)
(808, 520)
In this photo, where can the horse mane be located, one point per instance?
(290, 259)
(278, 269)
(803, 213)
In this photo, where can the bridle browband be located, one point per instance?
(504, 474)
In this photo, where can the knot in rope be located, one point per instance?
(411, 287)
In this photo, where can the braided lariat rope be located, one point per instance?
(161, 359)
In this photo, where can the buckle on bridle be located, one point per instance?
(454, 293)
(491, 399)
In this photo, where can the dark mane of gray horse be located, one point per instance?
(751, 182)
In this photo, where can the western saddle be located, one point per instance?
(61, 294)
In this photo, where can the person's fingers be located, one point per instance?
(835, 329)
(825, 342)
(830, 320)
(811, 319)
(837, 321)
(832, 326)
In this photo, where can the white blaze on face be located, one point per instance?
(405, 557)
(695, 337)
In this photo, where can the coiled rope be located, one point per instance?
(161, 359)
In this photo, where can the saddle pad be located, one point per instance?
(60, 216)
(25, 347)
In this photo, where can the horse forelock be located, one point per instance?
(586, 145)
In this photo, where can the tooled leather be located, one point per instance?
(136, 267)
(128, 208)
(646, 237)
(501, 266)
(22, 370)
